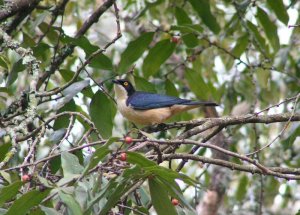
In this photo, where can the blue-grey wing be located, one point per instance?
(145, 101)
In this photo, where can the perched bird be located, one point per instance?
(149, 108)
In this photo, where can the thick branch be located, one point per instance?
(13, 7)
(277, 172)
(237, 120)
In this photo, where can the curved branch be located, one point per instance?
(274, 171)
(237, 120)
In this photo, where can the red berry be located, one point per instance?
(123, 156)
(175, 202)
(175, 40)
(128, 140)
(25, 178)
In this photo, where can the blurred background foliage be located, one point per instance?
(241, 54)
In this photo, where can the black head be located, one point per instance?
(126, 85)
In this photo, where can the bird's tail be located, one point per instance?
(206, 103)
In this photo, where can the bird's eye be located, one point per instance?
(125, 84)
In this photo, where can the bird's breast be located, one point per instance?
(144, 117)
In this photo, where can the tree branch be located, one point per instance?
(13, 7)
(274, 171)
(237, 120)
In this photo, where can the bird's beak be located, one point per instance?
(116, 81)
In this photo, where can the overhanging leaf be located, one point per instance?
(72, 205)
(74, 88)
(270, 28)
(57, 135)
(9, 192)
(101, 61)
(143, 85)
(202, 7)
(182, 18)
(174, 190)
(263, 76)
(197, 84)
(62, 122)
(49, 211)
(134, 50)
(136, 158)
(279, 9)
(70, 165)
(13, 74)
(102, 114)
(157, 56)
(160, 199)
(259, 40)
(240, 46)
(23, 204)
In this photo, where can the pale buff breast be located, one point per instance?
(144, 117)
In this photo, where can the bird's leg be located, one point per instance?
(161, 126)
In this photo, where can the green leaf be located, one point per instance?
(240, 45)
(50, 31)
(100, 195)
(42, 51)
(136, 158)
(115, 195)
(63, 122)
(13, 74)
(187, 28)
(9, 192)
(73, 89)
(70, 165)
(82, 42)
(99, 154)
(197, 84)
(263, 76)
(101, 61)
(143, 85)
(281, 12)
(160, 199)
(134, 50)
(170, 88)
(259, 40)
(202, 7)
(190, 40)
(174, 190)
(242, 188)
(30, 199)
(157, 56)
(269, 27)
(49, 211)
(4, 148)
(72, 205)
(169, 175)
(182, 17)
(4, 62)
(102, 114)
(68, 75)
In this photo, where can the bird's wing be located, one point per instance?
(145, 101)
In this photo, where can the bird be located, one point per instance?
(147, 108)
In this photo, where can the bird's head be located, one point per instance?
(123, 88)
